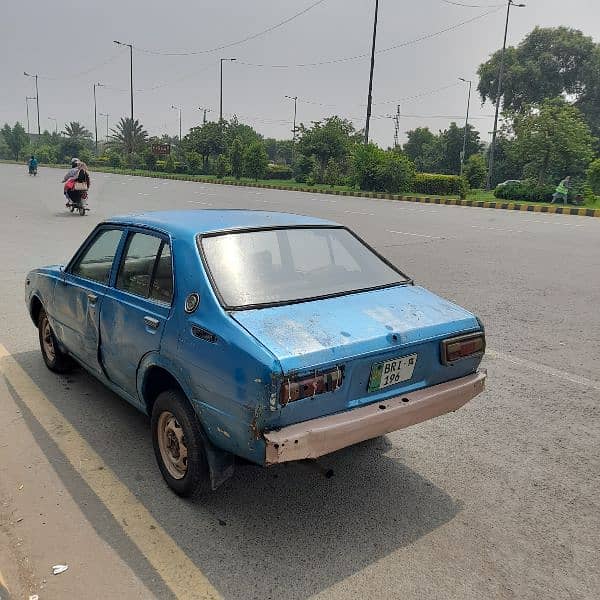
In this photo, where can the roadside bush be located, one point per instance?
(333, 173)
(377, 170)
(440, 185)
(593, 176)
(222, 166)
(303, 167)
(45, 154)
(255, 160)
(525, 190)
(150, 160)
(114, 160)
(279, 172)
(476, 171)
(169, 166)
(194, 162)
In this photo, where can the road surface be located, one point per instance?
(499, 500)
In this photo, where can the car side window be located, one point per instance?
(161, 288)
(146, 269)
(97, 259)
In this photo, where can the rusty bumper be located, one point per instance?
(317, 437)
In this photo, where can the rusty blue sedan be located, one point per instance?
(268, 336)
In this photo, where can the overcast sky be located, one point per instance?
(63, 39)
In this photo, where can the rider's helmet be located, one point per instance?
(74, 162)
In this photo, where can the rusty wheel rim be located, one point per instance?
(171, 442)
(48, 341)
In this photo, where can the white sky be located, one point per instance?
(63, 38)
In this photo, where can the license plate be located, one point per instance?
(392, 372)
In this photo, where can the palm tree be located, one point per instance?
(76, 131)
(128, 136)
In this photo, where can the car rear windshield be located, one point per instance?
(283, 266)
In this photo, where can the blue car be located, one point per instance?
(268, 336)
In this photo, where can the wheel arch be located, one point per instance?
(35, 308)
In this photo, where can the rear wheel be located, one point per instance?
(179, 444)
(82, 211)
(55, 359)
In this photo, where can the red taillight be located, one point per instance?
(461, 347)
(295, 389)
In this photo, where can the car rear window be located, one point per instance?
(281, 266)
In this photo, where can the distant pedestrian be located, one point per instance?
(562, 191)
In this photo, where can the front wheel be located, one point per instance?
(179, 444)
(56, 360)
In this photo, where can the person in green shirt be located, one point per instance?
(562, 191)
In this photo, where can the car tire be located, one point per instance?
(56, 360)
(176, 431)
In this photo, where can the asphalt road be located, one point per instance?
(499, 500)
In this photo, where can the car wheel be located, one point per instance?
(179, 444)
(55, 359)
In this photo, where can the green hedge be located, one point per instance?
(440, 185)
(279, 172)
(525, 190)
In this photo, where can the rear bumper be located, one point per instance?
(318, 437)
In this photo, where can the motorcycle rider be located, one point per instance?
(73, 171)
(77, 183)
(33, 165)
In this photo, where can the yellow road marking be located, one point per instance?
(175, 568)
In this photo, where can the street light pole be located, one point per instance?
(464, 150)
(221, 88)
(37, 98)
(96, 115)
(27, 99)
(106, 115)
(55, 124)
(205, 111)
(130, 46)
(295, 99)
(498, 94)
(370, 96)
(179, 109)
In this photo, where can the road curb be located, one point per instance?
(536, 208)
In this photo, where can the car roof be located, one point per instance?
(193, 222)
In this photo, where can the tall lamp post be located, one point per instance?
(370, 96)
(55, 124)
(205, 110)
(37, 98)
(130, 46)
(295, 99)
(27, 99)
(179, 109)
(499, 93)
(464, 150)
(222, 60)
(96, 115)
(105, 115)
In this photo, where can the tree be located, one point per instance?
(207, 140)
(255, 160)
(593, 176)
(236, 157)
(15, 138)
(76, 131)
(233, 130)
(452, 141)
(552, 141)
(549, 62)
(419, 140)
(326, 140)
(476, 171)
(222, 166)
(128, 136)
(332, 173)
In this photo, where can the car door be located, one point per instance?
(78, 296)
(134, 311)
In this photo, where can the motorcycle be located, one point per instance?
(33, 171)
(76, 199)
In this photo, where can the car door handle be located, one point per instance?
(151, 322)
(92, 298)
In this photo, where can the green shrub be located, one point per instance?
(194, 162)
(169, 164)
(255, 160)
(303, 167)
(528, 190)
(114, 160)
(333, 173)
(440, 185)
(377, 170)
(279, 172)
(593, 176)
(475, 171)
(150, 160)
(222, 166)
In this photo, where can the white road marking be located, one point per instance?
(433, 237)
(200, 202)
(496, 229)
(356, 212)
(546, 370)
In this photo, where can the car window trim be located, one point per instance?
(86, 245)
(225, 306)
(165, 239)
